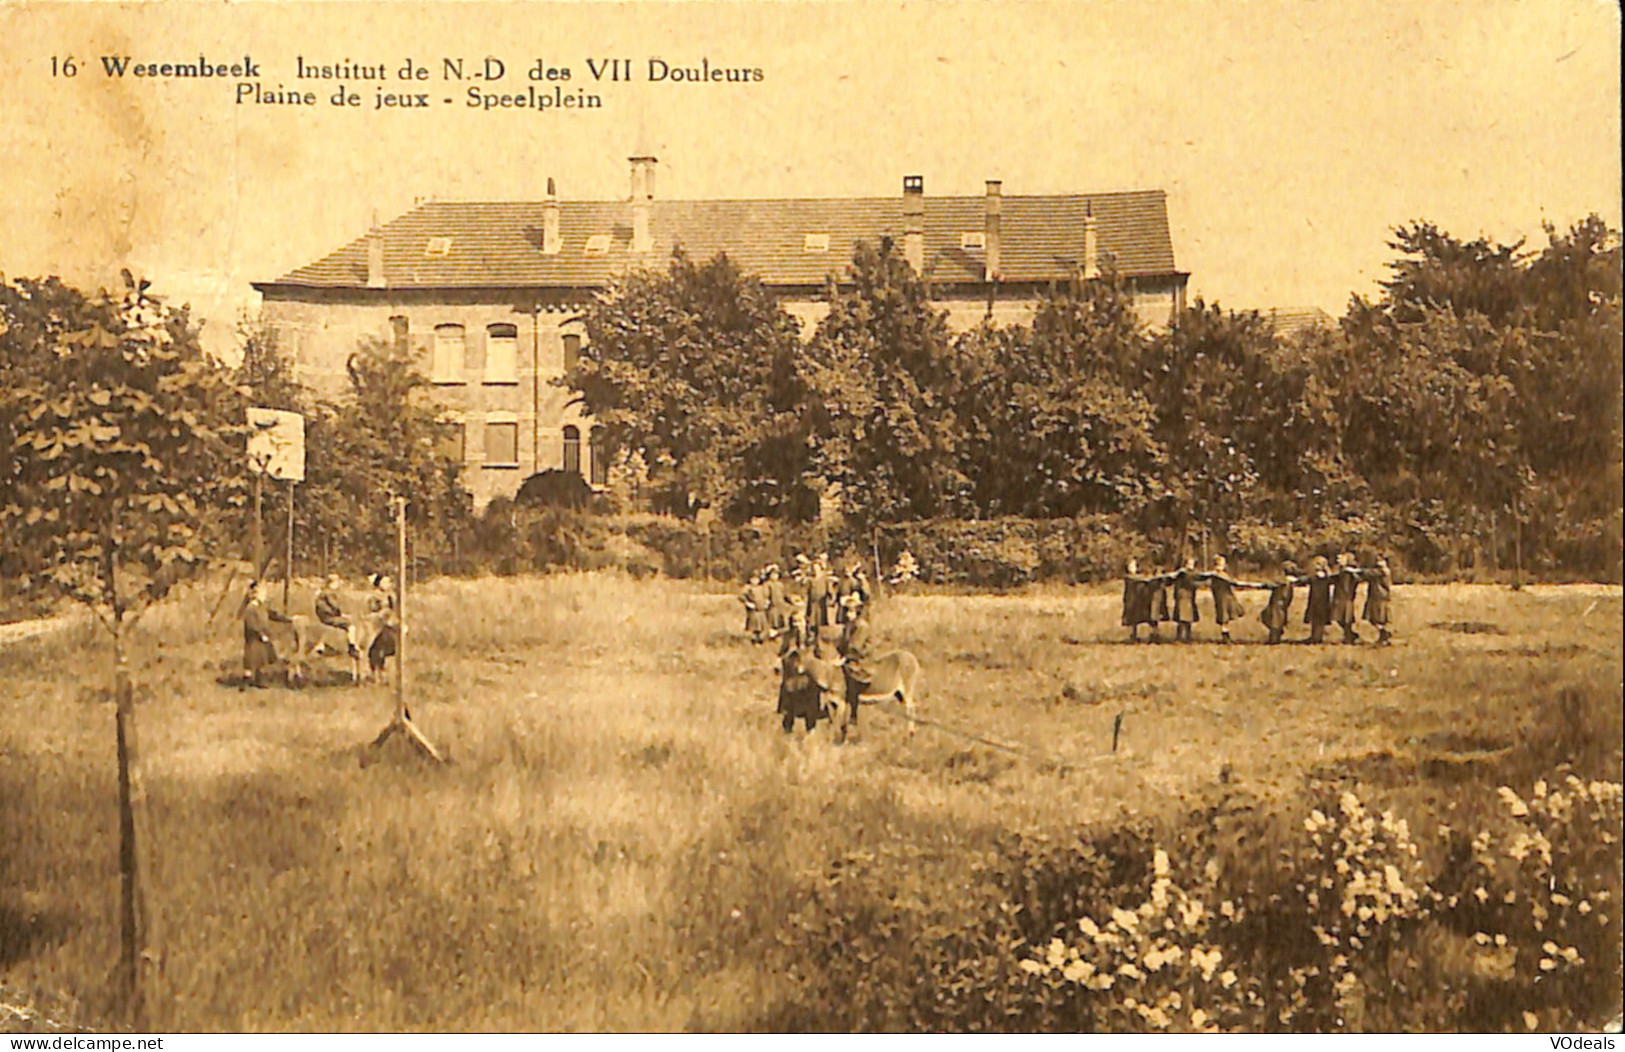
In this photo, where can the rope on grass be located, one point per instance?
(1061, 766)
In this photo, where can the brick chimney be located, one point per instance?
(375, 256)
(551, 241)
(1091, 246)
(643, 193)
(914, 222)
(992, 227)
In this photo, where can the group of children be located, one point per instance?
(1153, 599)
(813, 599)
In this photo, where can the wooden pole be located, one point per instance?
(257, 532)
(400, 609)
(1517, 545)
(402, 722)
(132, 810)
(287, 576)
(880, 575)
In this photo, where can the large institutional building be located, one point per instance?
(486, 295)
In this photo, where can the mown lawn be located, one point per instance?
(625, 839)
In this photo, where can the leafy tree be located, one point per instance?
(1200, 374)
(1052, 424)
(1492, 376)
(882, 383)
(266, 371)
(125, 454)
(386, 438)
(694, 368)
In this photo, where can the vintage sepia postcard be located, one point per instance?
(810, 517)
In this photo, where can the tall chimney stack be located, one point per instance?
(375, 255)
(992, 229)
(643, 192)
(552, 243)
(1091, 246)
(914, 222)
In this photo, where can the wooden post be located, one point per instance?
(402, 722)
(880, 576)
(257, 532)
(132, 812)
(287, 576)
(400, 609)
(1517, 545)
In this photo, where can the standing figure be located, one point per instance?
(755, 599)
(1318, 614)
(795, 633)
(792, 603)
(1378, 589)
(777, 616)
(855, 648)
(848, 585)
(1157, 592)
(861, 586)
(1279, 607)
(798, 692)
(1186, 614)
(1137, 601)
(258, 652)
(802, 571)
(1345, 583)
(386, 642)
(1226, 607)
(818, 595)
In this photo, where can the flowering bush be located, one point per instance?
(1164, 959)
(1538, 888)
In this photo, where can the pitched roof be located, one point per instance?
(1293, 321)
(499, 244)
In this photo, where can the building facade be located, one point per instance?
(487, 296)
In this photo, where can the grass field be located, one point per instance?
(625, 832)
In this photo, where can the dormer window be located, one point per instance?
(815, 243)
(973, 239)
(438, 246)
(598, 245)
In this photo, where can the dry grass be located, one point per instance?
(624, 827)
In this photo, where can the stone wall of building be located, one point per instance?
(524, 405)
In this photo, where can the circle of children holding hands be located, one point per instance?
(373, 634)
(1332, 594)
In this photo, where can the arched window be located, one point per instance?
(598, 457)
(447, 367)
(502, 354)
(572, 350)
(572, 448)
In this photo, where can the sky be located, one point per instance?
(1290, 137)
